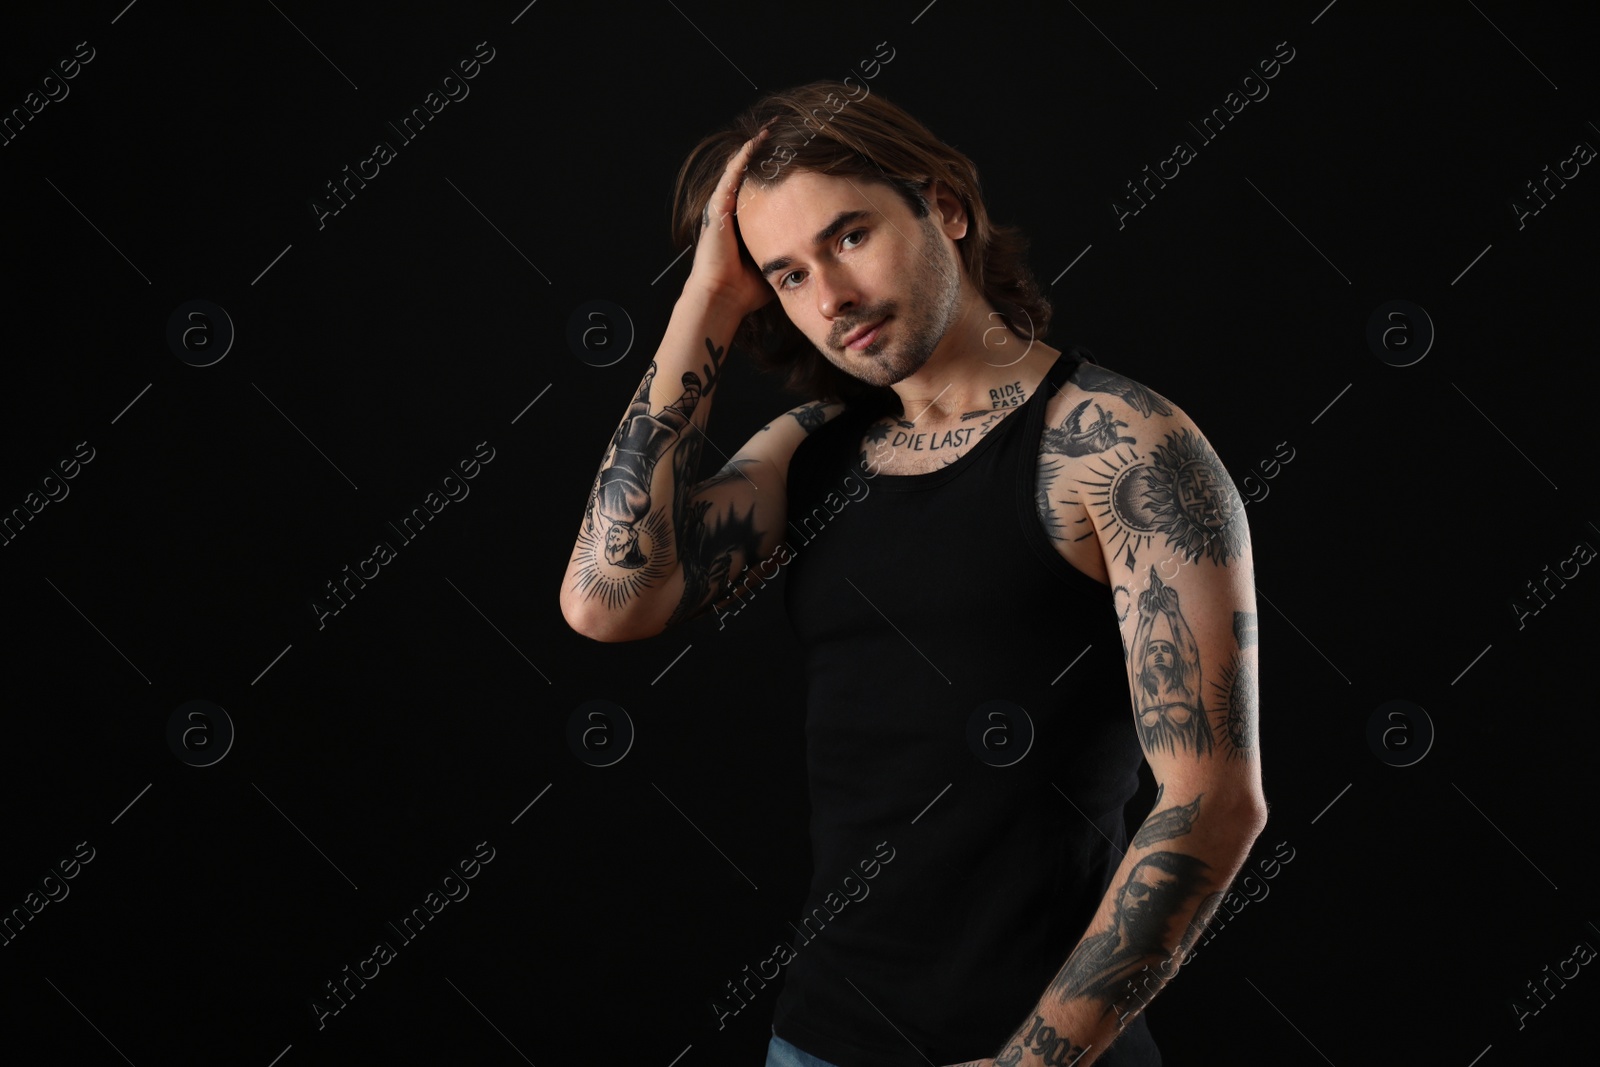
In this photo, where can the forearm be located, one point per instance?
(624, 577)
(1163, 893)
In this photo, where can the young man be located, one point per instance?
(988, 543)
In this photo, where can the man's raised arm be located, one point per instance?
(649, 549)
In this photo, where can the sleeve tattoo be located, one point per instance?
(624, 542)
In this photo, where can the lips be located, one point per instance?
(861, 332)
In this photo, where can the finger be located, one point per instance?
(726, 198)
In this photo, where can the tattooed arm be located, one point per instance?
(1189, 638)
(656, 547)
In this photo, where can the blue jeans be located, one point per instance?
(781, 1053)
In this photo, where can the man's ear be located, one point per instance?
(948, 212)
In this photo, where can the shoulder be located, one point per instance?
(1146, 460)
(1091, 389)
(1101, 413)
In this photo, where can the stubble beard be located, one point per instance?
(935, 308)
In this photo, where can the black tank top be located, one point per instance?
(951, 877)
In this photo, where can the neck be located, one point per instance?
(979, 365)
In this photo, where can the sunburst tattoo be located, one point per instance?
(1122, 478)
(614, 585)
(1182, 491)
(1237, 716)
(1194, 499)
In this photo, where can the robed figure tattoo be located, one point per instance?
(622, 496)
(624, 541)
(1167, 702)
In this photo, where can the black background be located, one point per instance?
(427, 316)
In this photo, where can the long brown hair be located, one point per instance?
(825, 127)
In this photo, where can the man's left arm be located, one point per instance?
(1180, 547)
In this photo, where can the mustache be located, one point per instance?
(868, 320)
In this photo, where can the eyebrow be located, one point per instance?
(823, 235)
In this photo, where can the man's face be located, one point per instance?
(879, 262)
(1146, 882)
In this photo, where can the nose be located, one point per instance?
(837, 294)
